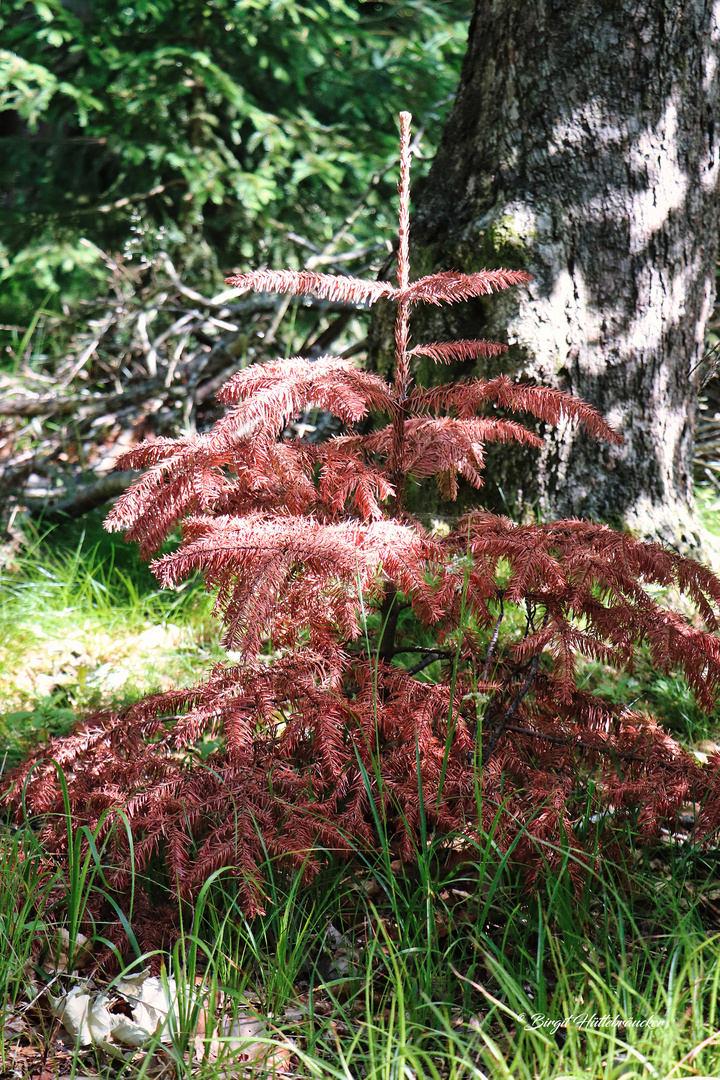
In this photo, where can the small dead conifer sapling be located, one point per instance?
(311, 546)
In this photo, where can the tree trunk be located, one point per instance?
(582, 147)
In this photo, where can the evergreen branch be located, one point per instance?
(305, 282)
(450, 287)
(447, 351)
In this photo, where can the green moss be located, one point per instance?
(503, 245)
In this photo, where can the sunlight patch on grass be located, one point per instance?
(81, 630)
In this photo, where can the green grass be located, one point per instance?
(84, 625)
(384, 972)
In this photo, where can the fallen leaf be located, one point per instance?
(72, 1011)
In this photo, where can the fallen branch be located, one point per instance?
(128, 367)
(86, 498)
(85, 405)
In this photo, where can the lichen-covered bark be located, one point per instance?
(582, 146)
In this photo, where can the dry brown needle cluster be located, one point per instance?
(310, 546)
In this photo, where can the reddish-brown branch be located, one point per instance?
(489, 749)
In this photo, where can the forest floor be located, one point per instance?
(449, 968)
